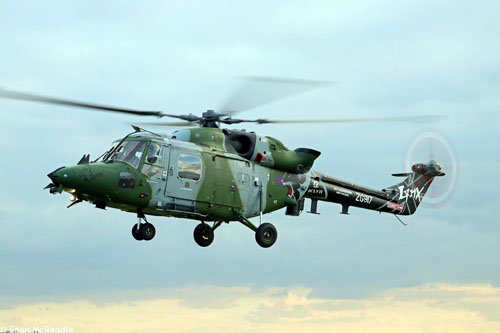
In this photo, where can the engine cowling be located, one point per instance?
(269, 152)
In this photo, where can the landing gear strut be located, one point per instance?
(143, 231)
(265, 234)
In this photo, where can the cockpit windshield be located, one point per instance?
(106, 155)
(129, 152)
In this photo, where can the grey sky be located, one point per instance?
(387, 58)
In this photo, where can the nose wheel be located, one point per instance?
(143, 231)
(136, 233)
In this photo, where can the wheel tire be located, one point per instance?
(203, 235)
(266, 235)
(137, 233)
(147, 231)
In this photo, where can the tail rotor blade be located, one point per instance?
(432, 147)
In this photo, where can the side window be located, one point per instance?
(154, 159)
(189, 167)
(154, 155)
(151, 170)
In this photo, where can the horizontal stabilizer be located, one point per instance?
(402, 174)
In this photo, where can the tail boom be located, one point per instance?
(401, 199)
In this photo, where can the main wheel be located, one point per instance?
(266, 235)
(147, 231)
(203, 235)
(137, 233)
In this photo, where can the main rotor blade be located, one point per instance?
(179, 124)
(257, 91)
(58, 101)
(423, 118)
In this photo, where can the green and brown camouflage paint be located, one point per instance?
(263, 179)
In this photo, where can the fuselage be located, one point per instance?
(172, 177)
(211, 174)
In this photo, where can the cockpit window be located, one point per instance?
(129, 152)
(107, 154)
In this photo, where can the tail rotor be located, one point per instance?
(436, 150)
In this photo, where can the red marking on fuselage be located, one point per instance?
(259, 158)
(392, 205)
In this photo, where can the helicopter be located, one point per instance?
(219, 175)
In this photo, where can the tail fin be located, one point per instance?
(409, 193)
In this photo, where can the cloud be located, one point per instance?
(429, 308)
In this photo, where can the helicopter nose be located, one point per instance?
(61, 176)
(54, 176)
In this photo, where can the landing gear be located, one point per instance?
(266, 235)
(143, 231)
(146, 232)
(136, 233)
(203, 235)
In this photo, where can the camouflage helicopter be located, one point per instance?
(210, 174)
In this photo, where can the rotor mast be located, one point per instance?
(210, 119)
